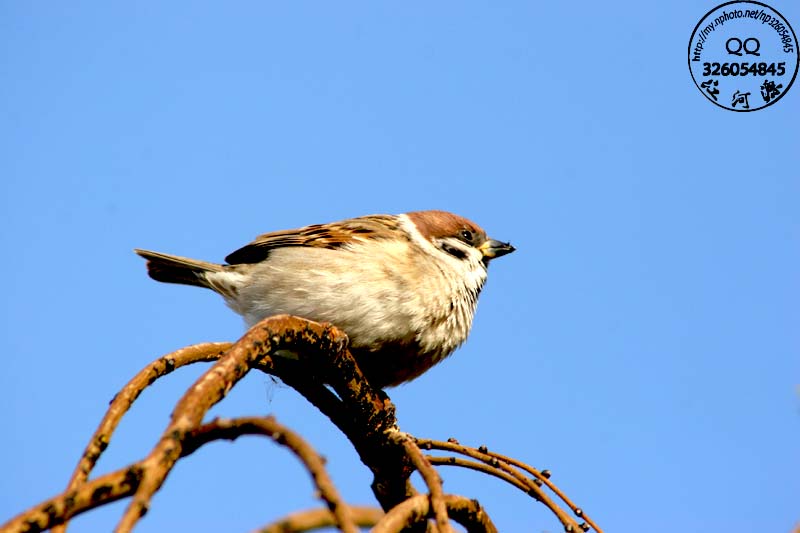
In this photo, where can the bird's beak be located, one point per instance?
(492, 248)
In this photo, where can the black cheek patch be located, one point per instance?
(455, 252)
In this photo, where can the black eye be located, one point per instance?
(466, 235)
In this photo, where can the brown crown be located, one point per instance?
(436, 224)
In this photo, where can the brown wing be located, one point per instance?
(332, 235)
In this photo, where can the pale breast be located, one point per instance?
(402, 311)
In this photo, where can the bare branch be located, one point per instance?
(321, 518)
(124, 482)
(499, 463)
(480, 467)
(416, 510)
(314, 463)
(546, 480)
(103, 490)
(269, 335)
(124, 399)
(326, 374)
(431, 478)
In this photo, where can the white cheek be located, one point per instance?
(471, 269)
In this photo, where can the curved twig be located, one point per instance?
(468, 513)
(125, 481)
(480, 467)
(326, 374)
(545, 479)
(269, 335)
(314, 463)
(430, 476)
(528, 485)
(94, 493)
(124, 399)
(313, 519)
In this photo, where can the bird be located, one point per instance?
(404, 288)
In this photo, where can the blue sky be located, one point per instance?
(641, 343)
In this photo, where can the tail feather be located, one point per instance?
(175, 269)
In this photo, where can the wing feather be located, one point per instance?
(334, 235)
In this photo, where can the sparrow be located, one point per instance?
(403, 287)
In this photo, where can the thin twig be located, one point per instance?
(94, 493)
(480, 467)
(416, 509)
(123, 400)
(328, 376)
(313, 519)
(532, 488)
(546, 480)
(431, 478)
(124, 482)
(314, 463)
(267, 336)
